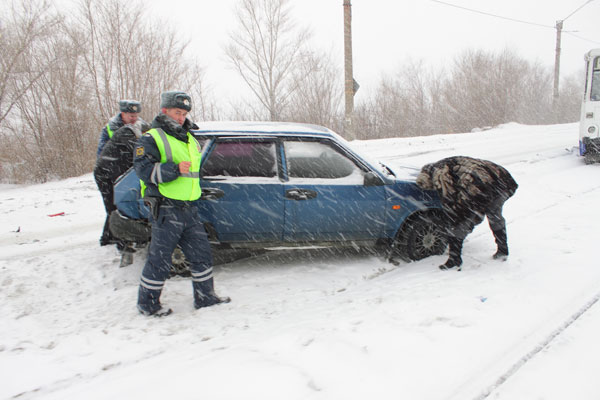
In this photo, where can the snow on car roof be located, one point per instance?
(239, 128)
(262, 127)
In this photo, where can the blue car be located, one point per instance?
(268, 184)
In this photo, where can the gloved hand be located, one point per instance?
(136, 128)
(144, 126)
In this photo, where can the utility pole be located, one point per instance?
(559, 26)
(348, 75)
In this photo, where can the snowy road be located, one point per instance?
(314, 324)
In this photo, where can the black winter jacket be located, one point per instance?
(117, 155)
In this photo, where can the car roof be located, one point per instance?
(239, 128)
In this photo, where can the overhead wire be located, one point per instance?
(580, 37)
(493, 15)
(579, 8)
(522, 21)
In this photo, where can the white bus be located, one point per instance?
(589, 135)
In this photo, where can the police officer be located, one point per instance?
(470, 189)
(167, 160)
(129, 111)
(115, 159)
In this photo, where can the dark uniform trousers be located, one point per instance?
(105, 185)
(176, 224)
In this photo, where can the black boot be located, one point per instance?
(455, 250)
(205, 296)
(501, 241)
(126, 255)
(149, 303)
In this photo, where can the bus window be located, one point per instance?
(589, 122)
(595, 89)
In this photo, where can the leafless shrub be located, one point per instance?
(318, 98)
(23, 27)
(267, 50)
(66, 78)
(480, 89)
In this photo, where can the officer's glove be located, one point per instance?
(136, 129)
(144, 126)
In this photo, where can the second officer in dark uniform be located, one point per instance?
(114, 159)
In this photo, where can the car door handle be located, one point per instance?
(211, 193)
(300, 194)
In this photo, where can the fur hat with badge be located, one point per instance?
(176, 99)
(130, 106)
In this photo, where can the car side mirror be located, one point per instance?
(372, 179)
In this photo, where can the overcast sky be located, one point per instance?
(388, 32)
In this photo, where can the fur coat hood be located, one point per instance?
(467, 184)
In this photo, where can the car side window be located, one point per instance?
(241, 159)
(317, 160)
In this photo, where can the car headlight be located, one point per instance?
(592, 129)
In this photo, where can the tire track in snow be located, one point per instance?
(537, 349)
(498, 380)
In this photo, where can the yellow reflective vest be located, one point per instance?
(187, 186)
(109, 131)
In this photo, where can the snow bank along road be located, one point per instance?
(317, 324)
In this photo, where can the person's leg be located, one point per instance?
(196, 248)
(498, 227)
(106, 190)
(166, 231)
(459, 228)
(455, 245)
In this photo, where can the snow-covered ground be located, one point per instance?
(312, 324)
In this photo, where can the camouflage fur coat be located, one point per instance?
(466, 184)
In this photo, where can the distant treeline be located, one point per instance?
(61, 76)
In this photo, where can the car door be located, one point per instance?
(241, 190)
(326, 197)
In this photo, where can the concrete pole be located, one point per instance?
(348, 75)
(559, 26)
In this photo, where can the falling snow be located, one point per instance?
(316, 324)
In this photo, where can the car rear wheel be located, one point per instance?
(420, 237)
(179, 265)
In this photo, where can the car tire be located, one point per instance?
(420, 237)
(180, 266)
(589, 160)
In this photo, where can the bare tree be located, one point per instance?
(536, 96)
(480, 89)
(403, 104)
(54, 122)
(109, 51)
(569, 102)
(266, 50)
(484, 89)
(130, 56)
(23, 27)
(318, 99)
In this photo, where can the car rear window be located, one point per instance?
(240, 158)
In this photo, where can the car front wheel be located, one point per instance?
(420, 237)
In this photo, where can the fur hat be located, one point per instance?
(175, 99)
(130, 106)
